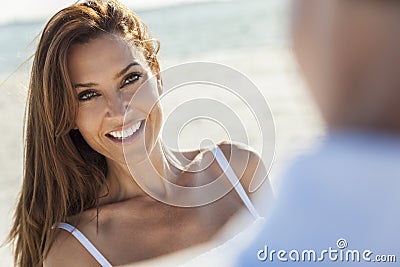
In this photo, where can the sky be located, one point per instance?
(23, 10)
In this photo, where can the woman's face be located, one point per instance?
(106, 73)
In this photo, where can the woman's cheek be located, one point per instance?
(89, 120)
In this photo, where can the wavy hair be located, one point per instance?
(62, 174)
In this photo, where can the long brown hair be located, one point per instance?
(62, 174)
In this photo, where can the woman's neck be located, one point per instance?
(129, 180)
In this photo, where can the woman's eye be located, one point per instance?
(131, 78)
(87, 95)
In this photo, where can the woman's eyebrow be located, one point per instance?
(119, 74)
(85, 85)
(122, 72)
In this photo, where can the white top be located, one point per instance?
(222, 162)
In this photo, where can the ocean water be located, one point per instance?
(183, 30)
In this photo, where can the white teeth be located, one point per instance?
(126, 133)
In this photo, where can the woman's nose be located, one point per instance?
(117, 106)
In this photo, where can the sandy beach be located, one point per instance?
(270, 66)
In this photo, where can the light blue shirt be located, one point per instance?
(341, 201)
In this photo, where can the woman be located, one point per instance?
(85, 139)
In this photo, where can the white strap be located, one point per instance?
(227, 169)
(85, 242)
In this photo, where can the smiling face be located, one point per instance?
(107, 72)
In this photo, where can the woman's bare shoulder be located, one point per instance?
(244, 160)
(66, 250)
(246, 163)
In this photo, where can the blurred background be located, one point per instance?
(251, 36)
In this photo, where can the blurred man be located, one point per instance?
(339, 204)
